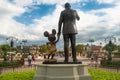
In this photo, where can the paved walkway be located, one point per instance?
(39, 60)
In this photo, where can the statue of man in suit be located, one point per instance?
(68, 19)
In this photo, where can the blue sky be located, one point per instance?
(37, 11)
(28, 19)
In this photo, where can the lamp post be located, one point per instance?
(90, 50)
(24, 41)
(110, 38)
(11, 38)
(91, 41)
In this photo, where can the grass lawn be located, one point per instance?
(28, 75)
(25, 75)
(104, 75)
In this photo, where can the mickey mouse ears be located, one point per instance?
(46, 33)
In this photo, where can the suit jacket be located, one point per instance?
(68, 20)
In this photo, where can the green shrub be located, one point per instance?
(117, 55)
(104, 75)
(10, 64)
(106, 63)
(25, 75)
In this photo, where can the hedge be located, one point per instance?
(106, 63)
(10, 64)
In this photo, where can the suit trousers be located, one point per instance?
(72, 39)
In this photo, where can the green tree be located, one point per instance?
(118, 49)
(0, 49)
(118, 53)
(0, 52)
(5, 48)
(80, 48)
(110, 47)
(43, 48)
(18, 49)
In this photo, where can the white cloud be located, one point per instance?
(55, 1)
(86, 19)
(111, 15)
(106, 1)
(90, 23)
(7, 9)
(46, 23)
(96, 26)
(7, 12)
(23, 3)
(21, 31)
(9, 27)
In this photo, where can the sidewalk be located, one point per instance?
(86, 61)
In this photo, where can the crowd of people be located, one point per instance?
(30, 59)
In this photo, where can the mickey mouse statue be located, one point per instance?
(51, 46)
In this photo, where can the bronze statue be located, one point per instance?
(51, 46)
(68, 20)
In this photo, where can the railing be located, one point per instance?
(16, 69)
(111, 69)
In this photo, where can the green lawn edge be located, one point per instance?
(103, 75)
(24, 75)
(28, 75)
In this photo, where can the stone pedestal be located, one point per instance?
(62, 72)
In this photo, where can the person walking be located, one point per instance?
(29, 59)
(22, 60)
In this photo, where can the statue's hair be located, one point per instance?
(67, 5)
